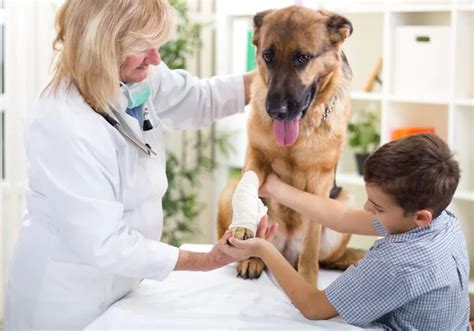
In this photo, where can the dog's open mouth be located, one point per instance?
(286, 132)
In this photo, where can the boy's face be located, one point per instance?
(387, 211)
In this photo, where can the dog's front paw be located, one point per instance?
(251, 268)
(242, 233)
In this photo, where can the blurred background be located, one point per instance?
(413, 65)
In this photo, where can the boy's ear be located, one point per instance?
(423, 217)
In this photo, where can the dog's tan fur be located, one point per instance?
(309, 163)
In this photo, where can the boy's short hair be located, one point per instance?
(418, 171)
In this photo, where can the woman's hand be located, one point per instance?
(244, 249)
(217, 257)
(248, 78)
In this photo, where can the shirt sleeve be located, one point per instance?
(183, 101)
(75, 187)
(366, 291)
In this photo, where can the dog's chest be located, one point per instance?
(289, 244)
(289, 240)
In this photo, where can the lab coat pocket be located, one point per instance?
(72, 294)
(75, 283)
(156, 166)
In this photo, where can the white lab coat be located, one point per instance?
(94, 218)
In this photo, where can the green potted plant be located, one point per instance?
(181, 203)
(364, 135)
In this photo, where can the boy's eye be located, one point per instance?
(378, 210)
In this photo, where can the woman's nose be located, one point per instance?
(153, 57)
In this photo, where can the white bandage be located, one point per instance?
(248, 209)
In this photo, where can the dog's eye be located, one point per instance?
(302, 59)
(267, 57)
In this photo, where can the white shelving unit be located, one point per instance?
(375, 35)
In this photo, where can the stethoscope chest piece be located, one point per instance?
(147, 126)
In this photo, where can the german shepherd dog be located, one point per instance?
(300, 109)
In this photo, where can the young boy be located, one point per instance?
(416, 276)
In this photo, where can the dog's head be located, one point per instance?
(297, 51)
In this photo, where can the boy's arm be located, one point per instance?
(328, 212)
(312, 302)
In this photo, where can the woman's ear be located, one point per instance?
(423, 217)
(339, 28)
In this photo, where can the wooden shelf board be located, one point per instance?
(358, 95)
(464, 195)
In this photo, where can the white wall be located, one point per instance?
(29, 29)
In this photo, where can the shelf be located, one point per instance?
(421, 7)
(370, 96)
(464, 102)
(349, 179)
(464, 195)
(408, 99)
(468, 7)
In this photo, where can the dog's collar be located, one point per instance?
(329, 108)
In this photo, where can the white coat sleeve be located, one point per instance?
(74, 177)
(183, 101)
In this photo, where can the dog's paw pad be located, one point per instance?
(251, 268)
(242, 233)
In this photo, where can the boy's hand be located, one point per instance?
(269, 186)
(244, 249)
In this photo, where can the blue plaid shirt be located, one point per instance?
(417, 280)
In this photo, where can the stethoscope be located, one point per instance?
(144, 147)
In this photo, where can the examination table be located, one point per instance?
(214, 300)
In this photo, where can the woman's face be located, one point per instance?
(135, 67)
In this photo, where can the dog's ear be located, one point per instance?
(257, 24)
(339, 28)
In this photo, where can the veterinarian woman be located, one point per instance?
(96, 158)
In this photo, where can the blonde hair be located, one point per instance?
(95, 36)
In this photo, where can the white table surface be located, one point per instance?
(214, 300)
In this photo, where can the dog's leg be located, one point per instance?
(253, 267)
(308, 265)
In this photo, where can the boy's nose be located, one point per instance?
(367, 207)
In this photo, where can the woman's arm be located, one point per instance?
(184, 101)
(218, 256)
(248, 78)
(328, 212)
(214, 259)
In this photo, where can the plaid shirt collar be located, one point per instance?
(416, 232)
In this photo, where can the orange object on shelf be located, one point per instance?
(403, 132)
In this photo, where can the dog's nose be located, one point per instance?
(278, 113)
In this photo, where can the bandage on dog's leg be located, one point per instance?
(247, 208)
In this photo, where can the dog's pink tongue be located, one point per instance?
(286, 132)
